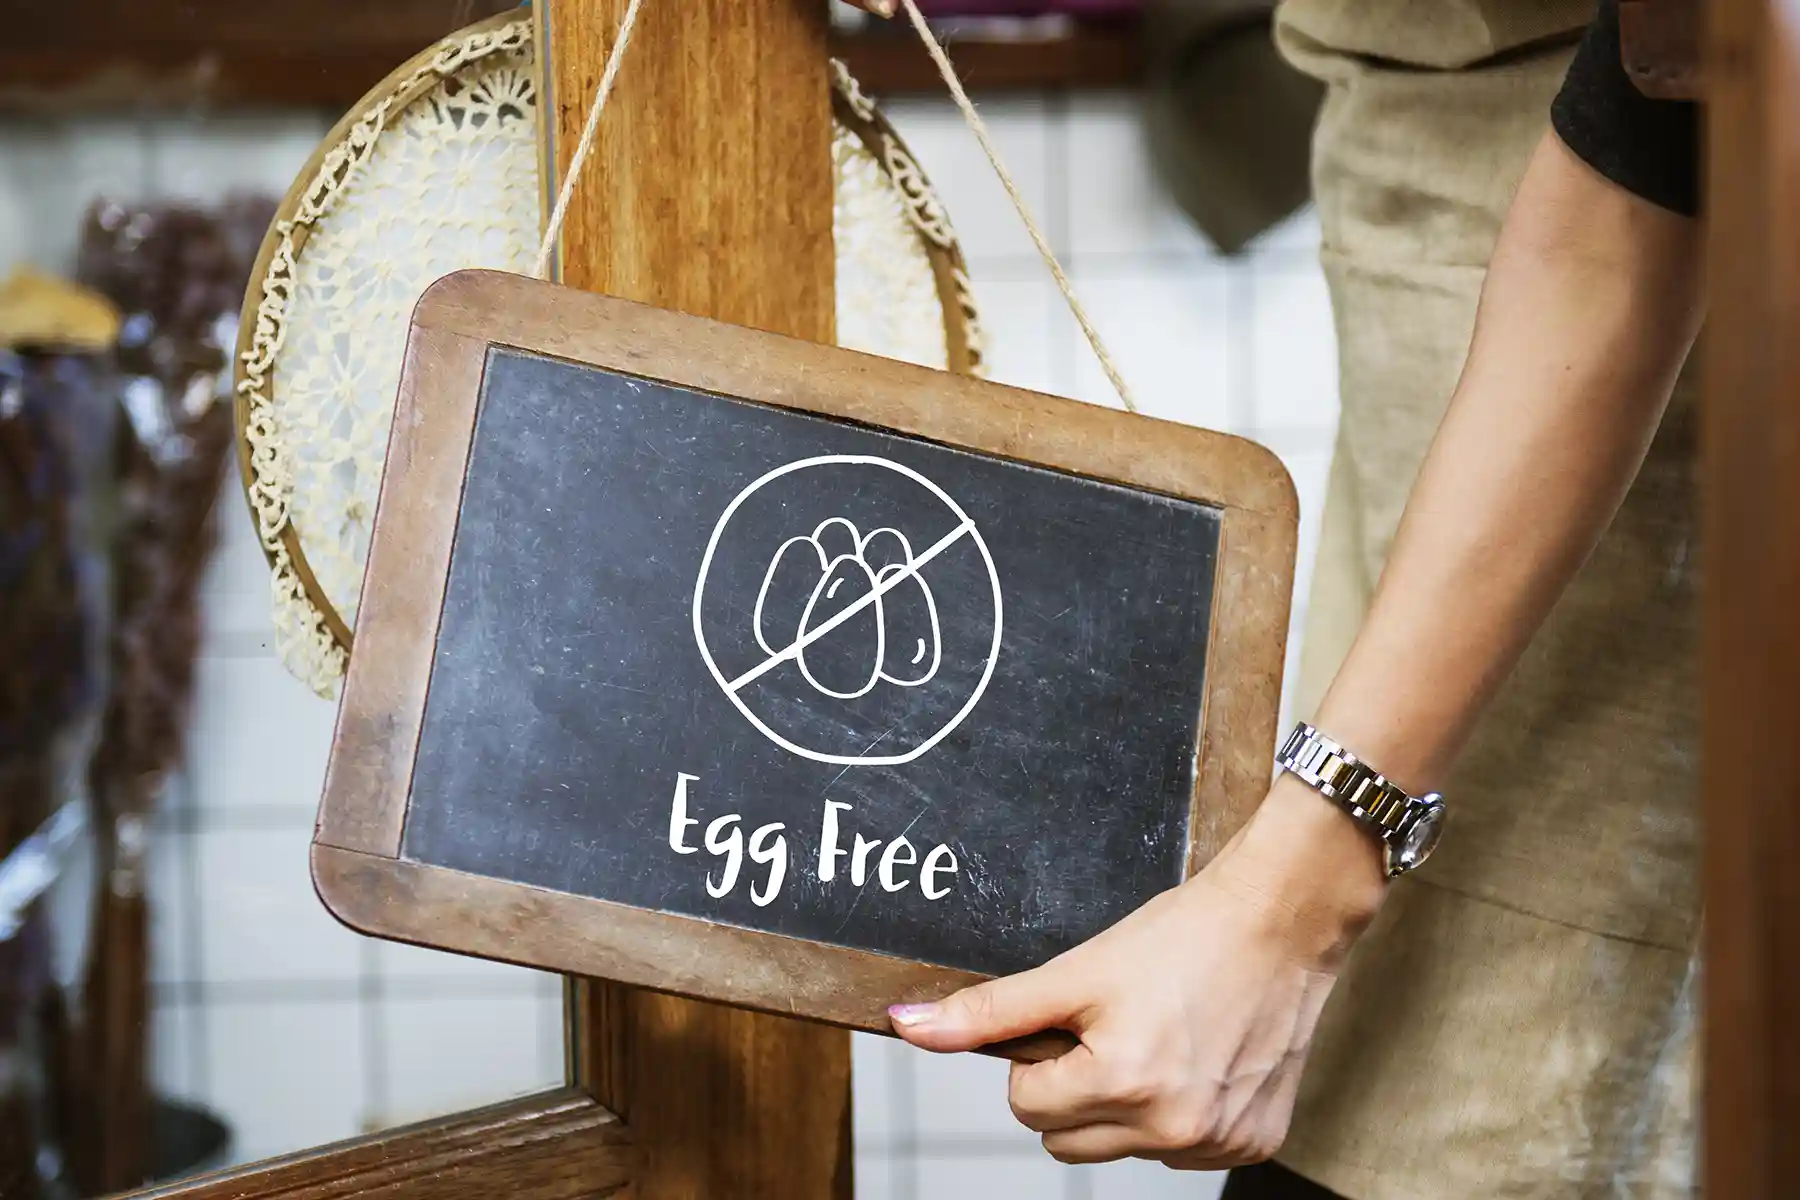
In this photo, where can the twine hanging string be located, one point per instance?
(976, 126)
(979, 129)
(553, 227)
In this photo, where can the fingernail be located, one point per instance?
(911, 1014)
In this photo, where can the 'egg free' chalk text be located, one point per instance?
(889, 863)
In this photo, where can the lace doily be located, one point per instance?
(436, 172)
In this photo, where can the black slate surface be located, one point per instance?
(993, 658)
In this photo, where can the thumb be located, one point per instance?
(1010, 1007)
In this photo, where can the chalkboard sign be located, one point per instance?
(772, 673)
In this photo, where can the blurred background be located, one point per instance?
(172, 994)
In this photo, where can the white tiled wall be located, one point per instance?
(300, 1032)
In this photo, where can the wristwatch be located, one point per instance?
(1409, 826)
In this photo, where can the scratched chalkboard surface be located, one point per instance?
(714, 658)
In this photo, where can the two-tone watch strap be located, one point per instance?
(1363, 792)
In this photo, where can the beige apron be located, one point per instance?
(1519, 1023)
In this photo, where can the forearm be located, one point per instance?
(1591, 303)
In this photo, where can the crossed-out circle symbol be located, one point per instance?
(883, 569)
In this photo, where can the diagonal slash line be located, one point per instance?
(818, 631)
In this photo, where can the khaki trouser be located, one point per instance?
(1519, 1022)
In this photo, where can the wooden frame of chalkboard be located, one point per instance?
(358, 865)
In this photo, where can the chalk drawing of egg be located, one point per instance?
(846, 662)
(912, 650)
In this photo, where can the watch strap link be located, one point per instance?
(1409, 826)
(1339, 774)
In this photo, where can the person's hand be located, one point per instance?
(1194, 1013)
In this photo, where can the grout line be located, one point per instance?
(1065, 366)
(186, 1021)
(245, 818)
(1298, 439)
(153, 187)
(376, 1100)
(550, 1019)
(146, 151)
(199, 1056)
(1240, 349)
(1058, 198)
(903, 1102)
(1124, 264)
(291, 991)
(333, 991)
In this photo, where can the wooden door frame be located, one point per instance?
(709, 191)
(1751, 676)
(561, 1145)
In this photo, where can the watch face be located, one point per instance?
(1421, 839)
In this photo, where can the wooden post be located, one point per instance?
(709, 191)
(1752, 629)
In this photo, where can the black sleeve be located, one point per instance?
(1648, 147)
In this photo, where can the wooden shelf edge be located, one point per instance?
(192, 75)
(70, 83)
(560, 1145)
(891, 61)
